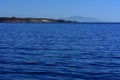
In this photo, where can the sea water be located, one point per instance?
(59, 51)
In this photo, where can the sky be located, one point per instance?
(106, 10)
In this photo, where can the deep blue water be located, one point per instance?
(55, 51)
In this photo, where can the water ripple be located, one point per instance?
(46, 51)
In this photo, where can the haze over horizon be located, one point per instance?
(106, 10)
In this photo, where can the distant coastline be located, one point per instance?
(35, 20)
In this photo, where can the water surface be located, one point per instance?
(56, 51)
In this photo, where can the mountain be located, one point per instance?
(83, 19)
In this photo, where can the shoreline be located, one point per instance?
(32, 20)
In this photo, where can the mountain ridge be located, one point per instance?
(83, 19)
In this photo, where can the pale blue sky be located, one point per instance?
(107, 10)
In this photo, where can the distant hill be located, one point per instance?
(83, 19)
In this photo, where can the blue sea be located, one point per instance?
(59, 51)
